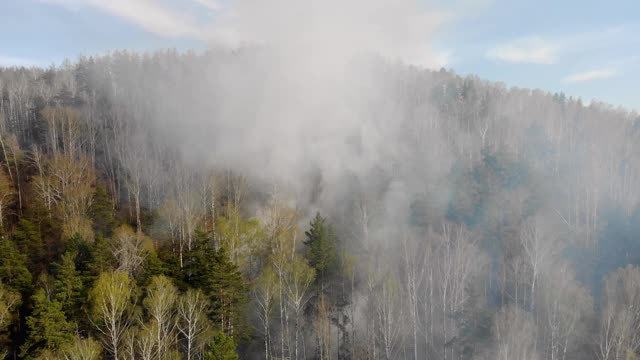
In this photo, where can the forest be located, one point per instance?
(218, 205)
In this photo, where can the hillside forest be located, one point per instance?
(181, 205)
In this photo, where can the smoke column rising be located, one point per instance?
(311, 98)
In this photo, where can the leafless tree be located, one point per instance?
(160, 304)
(566, 307)
(192, 321)
(620, 316)
(265, 294)
(299, 278)
(7, 194)
(514, 335)
(128, 250)
(111, 308)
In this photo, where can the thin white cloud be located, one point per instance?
(154, 16)
(589, 76)
(552, 50)
(530, 50)
(151, 16)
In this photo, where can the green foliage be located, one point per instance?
(9, 302)
(102, 212)
(68, 285)
(83, 253)
(112, 301)
(151, 267)
(13, 270)
(100, 257)
(171, 267)
(82, 349)
(112, 289)
(321, 248)
(241, 237)
(222, 347)
(29, 242)
(159, 305)
(219, 278)
(47, 326)
(161, 297)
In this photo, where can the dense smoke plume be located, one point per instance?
(313, 98)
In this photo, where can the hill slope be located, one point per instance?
(457, 217)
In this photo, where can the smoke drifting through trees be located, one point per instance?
(168, 203)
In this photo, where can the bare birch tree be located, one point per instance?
(111, 308)
(192, 321)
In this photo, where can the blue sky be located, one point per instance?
(585, 48)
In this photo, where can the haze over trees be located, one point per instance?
(214, 206)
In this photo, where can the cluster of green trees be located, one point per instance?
(110, 290)
(83, 298)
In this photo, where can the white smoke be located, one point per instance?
(311, 98)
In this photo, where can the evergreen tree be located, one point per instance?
(151, 267)
(219, 278)
(77, 263)
(13, 270)
(222, 347)
(29, 242)
(47, 326)
(68, 285)
(101, 212)
(321, 249)
(100, 257)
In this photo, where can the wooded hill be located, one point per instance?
(177, 205)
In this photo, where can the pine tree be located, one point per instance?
(77, 263)
(100, 257)
(13, 270)
(151, 267)
(29, 242)
(102, 212)
(219, 278)
(321, 249)
(68, 285)
(47, 326)
(222, 347)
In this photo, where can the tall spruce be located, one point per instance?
(48, 328)
(212, 271)
(321, 249)
(29, 242)
(68, 286)
(13, 270)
